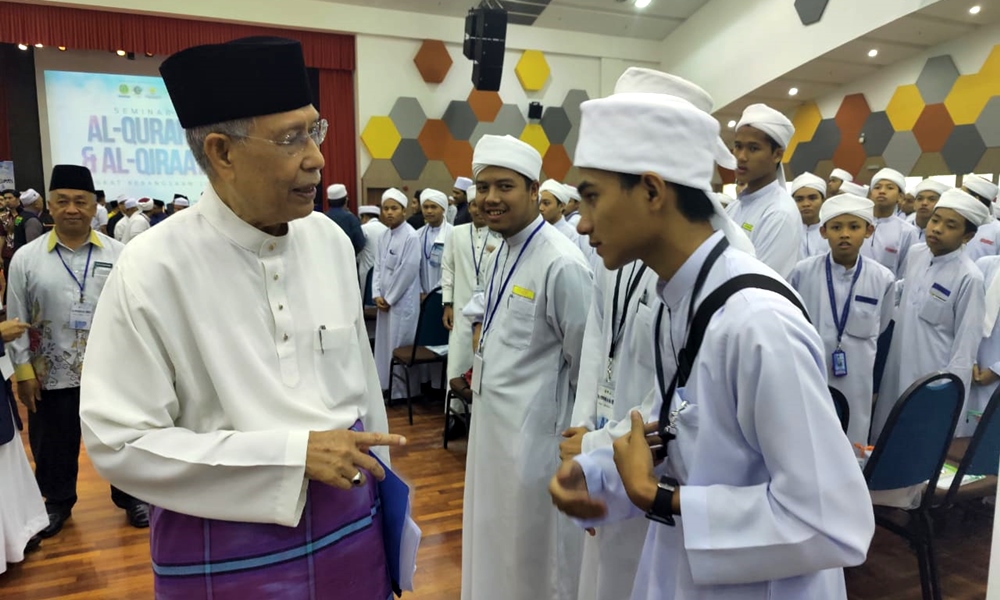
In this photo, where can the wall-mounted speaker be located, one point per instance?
(484, 44)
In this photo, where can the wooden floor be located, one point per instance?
(98, 556)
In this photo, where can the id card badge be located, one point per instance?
(839, 363)
(605, 404)
(477, 372)
(81, 315)
(437, 251)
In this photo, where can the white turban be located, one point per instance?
(508, 152)
(463, 183)
(181, 202)
(808, 180)
(849, 187)
(847, 204)
(336, 191)
(556, 189)
(29, 196)
(966, 205)
(890, 175)
(574, 194)
(773, 123)
(929, 185)
(979, 186)
(368, 209)
(131, 203)
(431, 195)
(394, 194)
(842, 175)
(145, 204)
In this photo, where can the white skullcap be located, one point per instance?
(842, 175)
(29, 196)
(463, 183)
(394, 194)
(808, 180)
(556, 189)
(773, 123)
(847, 204)
(978, 185)
(574, 194)
(849, 187)
(892, 175)
(431, 195)
(131, 203)
(336, 191)
(966, 205)
(929, 185)
(145, 204)
(181, 202)
(508, 152)
(368, 209)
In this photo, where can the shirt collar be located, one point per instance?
(761, 193)
(519, 238)
(682, 283)
(948, 258)
(236, 229)
(53, 239)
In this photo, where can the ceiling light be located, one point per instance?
(731, 124)
(22, 47)
(872, 53)
(642, 3)
(38, 45)
(793, 91)
(975, 10)
(120, 53)
(62, 48)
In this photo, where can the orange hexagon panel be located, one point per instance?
(851, 116)
(557, 163)
(933, 128)
(434, 138)
(485, 105)
(850, 154)
(532, 70)
(433, 61)
(458, 157)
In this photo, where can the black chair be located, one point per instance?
(981, 456)
(910, 451)
(458, 389)
(843, 409)
(369, 309)
(430, 332)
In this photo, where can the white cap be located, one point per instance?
(394, 194)
(463, 183)
(181, 202)
(336, 191)
(508, 152)
(842, 175)
(574, 194)
(808, 180)
(929, 185)
(145, 204)
(966, 205)
(892, 175)
(979, 186)
(29, 196)
(556, 189)
(368, 209)
(131, 203)
(849, 187)
(847, 204)
(432, 195)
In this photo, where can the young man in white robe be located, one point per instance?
(396, 292)
(926, 195)
(373, 230)
(809, 191)
(552, 199)
(893, 236)
(987, 239)
(765, 209)
(530, 322)
(850, 301)
(572, 208)
(939, 321)
(725, 467)
(433, 236)
(837, 179)
(986, 371)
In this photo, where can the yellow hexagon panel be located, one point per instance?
(991, 66)
(532, 70)
(905, 107)
(806, 120)
(380, 137)
(534, 136)
(968, 97)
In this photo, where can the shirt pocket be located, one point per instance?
(340, 374)
(641, 344)
(863, 321)
(937, 312)
(519, 324)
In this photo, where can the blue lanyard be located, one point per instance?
(80, 284)
(477, 262)
(503, 287)
(842, 323)
(427, 253)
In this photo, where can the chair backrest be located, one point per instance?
(843, 409)
(914, 442)
(368, 300)
(430, 326)
(982, 457)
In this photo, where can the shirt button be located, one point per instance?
(271, 247)
(275, 276)
(286, 337)
(281, 307)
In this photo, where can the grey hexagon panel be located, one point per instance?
(988, 123)
(936, 79)
(510, 120)
(902, 152)
(963, 149)
(556, 124)
(810, 11)
(408, 117)
(460, 119)
(409, 159)
(877, 131)
(574, 98)
(806, 157)
(826, 139)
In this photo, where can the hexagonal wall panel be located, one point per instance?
(485, 105)
(532, 70)
(556, 162)
(852, 114)
(460, 119)
(509, 121)
(408, 117)
(990, 162)
(458, 158)
(904, 107)
(810, 11)
(826, 139)
(902, 151)
(850, 154)
(380, 137)
(807, 118)
(933, 127)
(556, 124)
(929, 163)
(409, 159)
(806, 157)
(877, 131)
(535, 137)
(969, 96)
(872, 165)
(963, 149)
(433, 138)
(936, 78)
(988, 122)
(571, 104)
(433, 61)
(436, 175)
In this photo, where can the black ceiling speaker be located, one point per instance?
(485, 42)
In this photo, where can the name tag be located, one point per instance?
(940, 293)
(986, 241)
(524, 292)
(891, 250)
(748, 226)
(101, 269)
(866, 300)
(81, 315)
(436, 253)
(605, 405)
(477, 372)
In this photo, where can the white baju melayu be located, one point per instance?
(773, 504)
(136, 224)
(515, 544)
(872, 301)
(988, 357)
(563, 226)
(939, 324)
(813, 243)
(22, 510)
(773, 224)
(373, 231)
(604, 401)
(890, 243)
(986, 242)
(432, 242)
(573, 219)
(396, 279)
(193, 426)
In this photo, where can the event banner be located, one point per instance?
(7, 175)
(124, 129)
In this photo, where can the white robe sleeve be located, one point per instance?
(811, 511)
(605, 484)
(386, 239)
(448, 269)
(591, 361)
(777, 242)
(910, 236)
(970, 307)
(17, 308)
(406, 272)
(568, 289)
(615, 429)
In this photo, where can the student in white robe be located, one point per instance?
(433, 236)
(396, 292)
(893, 236)
(726, 468)
(809, 191)
(837, 178)
(129, 207)
(850, 301)
(986, 371)
(572, 208)
(987, 239)
(926, 195)
(939, 321)
(765, 209)
(373, 230)
(907, 205)
(250, 436)
(531, 315)
(552, 199)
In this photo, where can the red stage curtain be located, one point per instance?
(336, 97)
(4, 132)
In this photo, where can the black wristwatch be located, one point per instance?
(446, 304)
(662, 509)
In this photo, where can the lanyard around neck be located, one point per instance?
(80, 284)
(495, 302)
(840, 324)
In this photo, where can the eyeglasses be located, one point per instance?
(295, 142)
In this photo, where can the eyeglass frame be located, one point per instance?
(297, 144)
